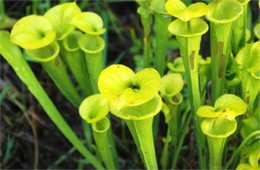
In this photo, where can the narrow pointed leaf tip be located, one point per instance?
(122, 87)
(224, 11)
(94, 108)
(179, 10)
(32, 32)
(227, 106)
(171, 84)
(61, 17)
(89, 22)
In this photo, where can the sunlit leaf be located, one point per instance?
(171, 84)
(89, 22)
(140, 112)
(32, 32)
(124, 88)
(224, 11)
(194, 27)
(232, 102)
(61, 17)
(94, 108)
(213, 127)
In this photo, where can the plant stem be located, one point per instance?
(141, 131)
(147, 23)
(104, 144)
(253, 134)
(76, 62)
(161, 39)
(216, 147)
(57, 71)
(2, 10)
(93, 46)
(189, 47)
(167, 144)
(95, 66)
(180, 142)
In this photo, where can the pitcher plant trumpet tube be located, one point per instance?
(39, 43)
(162, 20)
(133, 99)
(146, 19)
(239, 30)
(61, 16)
(188, 29)
(75, 59)
(248, 59)
(14, 57)
(171, 86)
(94, 110)
(91, 43)
(223, 114)
(220, 40)
(92, 46)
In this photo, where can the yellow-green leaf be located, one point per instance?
(91, 43)
(179, 10)
(94, 108)
(123, 88)
(114, 80)
(194, 27)
(89, 22)
(171, 84)
(257, 30)
(213, 127)
(44, 54)
(224, 11)
(231, 103)
(61, 17)
(140, 112)
(175, 8)
(32, 32)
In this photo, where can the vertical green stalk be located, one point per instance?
(93, 110)
(162, 20)
(93, 45)
(74, 57)
(239, 31)
(15, 58)
(220, 39)
(161, 39)
(188, 35)
(2, 10)
(216, 147)
(141, 131)
(172, 138)
(104, 144)
(189, 47)
(54, 66)
(146, 20)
